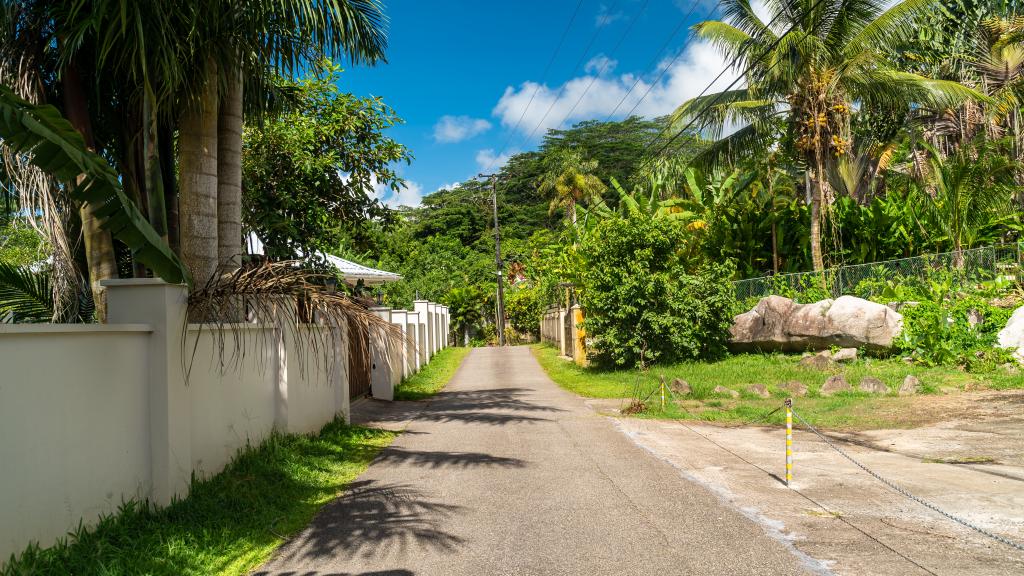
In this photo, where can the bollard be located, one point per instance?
(663, 393)
(789, 440)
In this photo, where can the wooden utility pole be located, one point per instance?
(499, 265)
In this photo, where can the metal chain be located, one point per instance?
(904, 492)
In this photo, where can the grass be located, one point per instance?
(230, 523)
(851, 411)
(433, 377)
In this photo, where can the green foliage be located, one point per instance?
(230, 523)
(309, 175)
(20, 244)
(961, 332)
(643, 301)
(465, 309)
(25, 294)
(60, 151)
(524, 309)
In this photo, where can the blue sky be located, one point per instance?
(461, 74)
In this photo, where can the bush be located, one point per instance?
(941, 333)
(643, 298)
(523, 309)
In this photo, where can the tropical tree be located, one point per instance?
(465, 309)
(814, 63)
(570, 179)
(966, 193)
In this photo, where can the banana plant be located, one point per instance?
(54, 146)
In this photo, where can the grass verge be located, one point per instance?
(851, 410)
(230, 523)
(433, 377)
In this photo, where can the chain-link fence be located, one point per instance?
(977, 263)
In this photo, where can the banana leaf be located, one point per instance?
(59, 150)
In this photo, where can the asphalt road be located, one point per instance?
(505, 473)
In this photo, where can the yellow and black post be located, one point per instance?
(789, 440)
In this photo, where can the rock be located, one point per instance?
(821, 361)
(1012, 336)
(974, 318)
(872, 385)
(835, 384)
(795, 388)
(910, 386)
(778, 323)
(845, 355)
(727, 391)
(759, 390)
(681, 387)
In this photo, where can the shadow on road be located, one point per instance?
(440, 460)
(370, 520)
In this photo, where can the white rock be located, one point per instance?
(1012, 336)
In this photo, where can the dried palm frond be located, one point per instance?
(292, 300)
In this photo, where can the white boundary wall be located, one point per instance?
(94, 415)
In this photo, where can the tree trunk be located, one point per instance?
(99, 245)
(816, 257)
(229, 175)
(197, 141)
(571, 209)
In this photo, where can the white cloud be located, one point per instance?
(488, 159)
(683, 79)
(600, 64)
(459, 128)
(604, 17)
(410, 195)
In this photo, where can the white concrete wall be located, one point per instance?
(74, 427)
(94, 415)
(234, 405)
(427, 349)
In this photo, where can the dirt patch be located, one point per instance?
(972, 466)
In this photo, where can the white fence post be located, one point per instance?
(163, 307)
(427, 346)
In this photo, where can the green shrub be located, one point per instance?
(941, 333)
(524, 309)
(645, 300)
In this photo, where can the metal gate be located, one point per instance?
(358, 360)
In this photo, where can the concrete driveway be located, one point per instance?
(505, 473)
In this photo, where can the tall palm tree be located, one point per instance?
(569, 178)
(812, 77)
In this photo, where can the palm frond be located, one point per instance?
(24, 294)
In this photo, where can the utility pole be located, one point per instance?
(499, 265)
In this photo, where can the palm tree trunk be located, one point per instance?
(197, 140)
(99, 245)
(229, 175)
(817, 259)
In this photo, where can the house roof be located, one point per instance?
(350, 271)
(353, 272)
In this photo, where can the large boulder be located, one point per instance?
(1012, 336)
(779, 324)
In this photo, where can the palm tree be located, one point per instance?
(966, 192)
(812, 77)
(570, 180)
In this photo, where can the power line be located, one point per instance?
(575, 68)
(547, 69)
(654, 61)
(604, 65)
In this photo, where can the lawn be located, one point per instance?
(228, 524)
(849, 411)
(433, 377)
